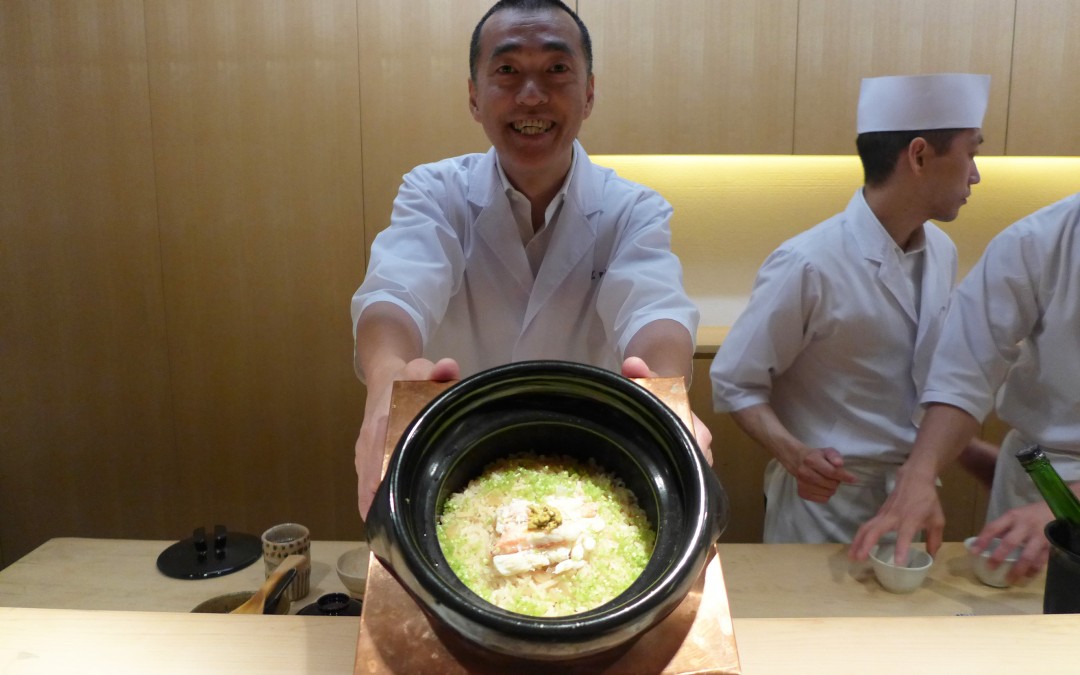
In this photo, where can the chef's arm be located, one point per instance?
(666, 346)
(761, 424)
(666, 349)
(945, 432)
(388, 347)
(914, 505)
(387, 338)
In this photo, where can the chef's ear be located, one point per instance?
(589, 93)
(473, 107)
(917, 153)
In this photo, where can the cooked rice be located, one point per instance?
(466, 534)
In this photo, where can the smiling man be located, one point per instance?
(528, 251)
(824, 367)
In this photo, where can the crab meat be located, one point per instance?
(532, 536)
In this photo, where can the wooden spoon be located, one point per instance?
(254, 604)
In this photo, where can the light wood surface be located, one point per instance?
(85, 403)
(117, 643)
(122, 574)
(702, 76)
(414, 65)
(257, 139)
(818, 580)
(52, 641)
(843, 41)
(762, 581)
(1045, 85)
(829, 619)
(905, 645)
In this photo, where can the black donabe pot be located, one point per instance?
(547, 407)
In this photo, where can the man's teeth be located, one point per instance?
(531, 127)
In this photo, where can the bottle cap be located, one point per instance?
(1030, 454)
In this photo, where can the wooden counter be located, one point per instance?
(108, 610)
(762, 581)
(122, 574)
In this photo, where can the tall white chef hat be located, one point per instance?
(918, 102)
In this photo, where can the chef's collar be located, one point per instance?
(556, 201)
(917, 243)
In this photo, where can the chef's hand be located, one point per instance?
(913, 505)
(818, 473)
(1021, 527)
(635, 367)
(371, 444)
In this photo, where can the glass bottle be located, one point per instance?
(1062, 501)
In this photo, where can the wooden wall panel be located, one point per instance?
(414, 65)
(697, 76)
(257, 152)
(85, 395)
(1046, 82)
(843, 41)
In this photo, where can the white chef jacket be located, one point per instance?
(1015, 324)
(453, 259)
(832, 339)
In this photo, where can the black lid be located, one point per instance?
(192, 558)
(333, 604)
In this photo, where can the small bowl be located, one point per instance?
(352, 568)
(900, 578)
(223, 604)
(981, 563)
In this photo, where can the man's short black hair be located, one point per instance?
(528, 6)
(880, 150)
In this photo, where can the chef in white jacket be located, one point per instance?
(1012, 335)
(824, 366)
(526, 252)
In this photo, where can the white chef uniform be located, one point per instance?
(836, 341)
(454, 260)
(1015, 324)
(842, 323)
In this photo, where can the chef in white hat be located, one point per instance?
(825, 366)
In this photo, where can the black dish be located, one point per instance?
(197, 557)
(333, 604)
(547, 407)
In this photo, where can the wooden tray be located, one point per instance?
(396, 636)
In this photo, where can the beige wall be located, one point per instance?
(182, 216)
(188, 188)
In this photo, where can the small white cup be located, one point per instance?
(896, 577)
(981, 563)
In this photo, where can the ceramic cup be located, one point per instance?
(281, 541)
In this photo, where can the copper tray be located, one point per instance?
(396, 636)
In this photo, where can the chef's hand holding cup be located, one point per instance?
(281, 541)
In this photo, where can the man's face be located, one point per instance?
(532, 90)
(951, 175)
